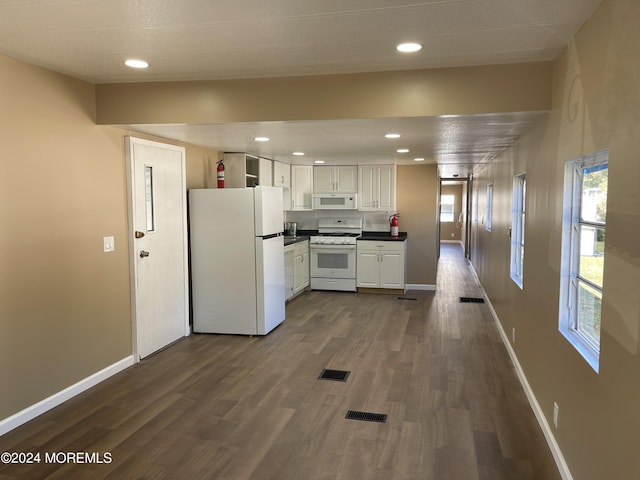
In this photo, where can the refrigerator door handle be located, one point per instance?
(273, 235)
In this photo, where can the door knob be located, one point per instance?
(144, 253)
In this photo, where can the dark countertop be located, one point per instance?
(383, 236)
(288, 240)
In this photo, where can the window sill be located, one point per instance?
(517, 280)
(586, 350)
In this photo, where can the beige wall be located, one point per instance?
(449, 230)
(64, 309)
(416, 199)
(65, 304)
(468, 90)
(596, 104)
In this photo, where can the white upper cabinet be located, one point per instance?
(265, 172)
(301, 188)
(281, 174)
(335, 179)
(377, 187)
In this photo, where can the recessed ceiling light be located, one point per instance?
(409, 47)
(418, 159)
(319, 161)
(403, 150)
(298, 154)
(134, 63)
(261, 139)
(392, 135)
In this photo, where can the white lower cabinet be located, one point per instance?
(381, 264)
(296, 258)
(301, 267)
(288, 271)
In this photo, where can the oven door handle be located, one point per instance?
(336, 248)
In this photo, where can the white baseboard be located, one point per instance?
(561, 463)
(419, 286)
(451, 241)
(29, 413)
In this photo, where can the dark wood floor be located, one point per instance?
(233, 408)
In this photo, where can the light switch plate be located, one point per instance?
(109, 244)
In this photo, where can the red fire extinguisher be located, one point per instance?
(220, 171)
(393, 220)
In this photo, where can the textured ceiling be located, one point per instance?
(221, 39)
(214, 39)
(456, 142)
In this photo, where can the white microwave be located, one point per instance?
(335, 201)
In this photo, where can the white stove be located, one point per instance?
(333, 254)
(334, 239)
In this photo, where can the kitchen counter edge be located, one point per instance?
(292, 240)
(383, 236)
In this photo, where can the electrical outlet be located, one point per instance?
(452, 235)
(513, 335)
(556, 411)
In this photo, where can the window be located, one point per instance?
(583, 235)
(487, 224)
(447, 208)
(148, 194)
(475, 206)
(517, 228)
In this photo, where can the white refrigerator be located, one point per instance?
(237, 260)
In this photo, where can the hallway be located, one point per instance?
(234, 408)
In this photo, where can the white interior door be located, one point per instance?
(158, 244)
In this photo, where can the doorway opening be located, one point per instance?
(453, 213)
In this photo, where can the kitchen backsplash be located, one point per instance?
(371, 221)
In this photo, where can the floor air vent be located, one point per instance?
(407, 298)
(471, 300)
(335, 375)
(366, 416)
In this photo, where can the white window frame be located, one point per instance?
(489, 213)
(517, 229)
(453, 208)
(474, 213)
(570, 262)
